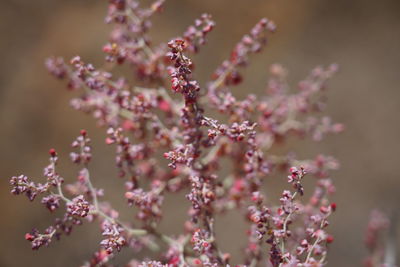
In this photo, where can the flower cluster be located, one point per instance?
(52, 202)
(149, 203)
(181, 70)
(78, 207)
(114, 240)
(37, 240)
(220, 165)
(227, 73)
(195, 35)
(378, 225)
(21, 185)
(84, 155)
(310, 241)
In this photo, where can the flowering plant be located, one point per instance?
(168, 113)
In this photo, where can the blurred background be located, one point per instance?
(363, 37)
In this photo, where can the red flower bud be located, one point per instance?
(52, 152)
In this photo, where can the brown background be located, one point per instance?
(362, 36)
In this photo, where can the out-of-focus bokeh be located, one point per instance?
(362, 36)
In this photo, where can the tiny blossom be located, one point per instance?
(99, 257)
(57, 67)
(52, 202)
(304, 246)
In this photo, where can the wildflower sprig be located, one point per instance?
(167, 141)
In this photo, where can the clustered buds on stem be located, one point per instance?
(144, 122)
(378, 226)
